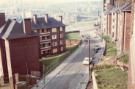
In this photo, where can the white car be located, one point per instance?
(86, 61)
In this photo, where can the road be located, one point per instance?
(71, 74)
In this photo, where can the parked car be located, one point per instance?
(86, 61)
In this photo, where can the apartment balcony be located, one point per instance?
(45, 33)
(46, 47)
(45, 40)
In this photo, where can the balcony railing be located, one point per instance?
(44, 33)
(46, 47)
(41, 40)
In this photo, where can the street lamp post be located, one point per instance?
(90, 71)
(89, 60)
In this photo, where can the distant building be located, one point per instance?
(19, 49)
(107, 4)
(52, 34)
(114, 33)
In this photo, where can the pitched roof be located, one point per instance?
(41, 23)
(117, 9)
(125, 7)
(14, 30)
(4, 28)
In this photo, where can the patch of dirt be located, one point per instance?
(108, 61)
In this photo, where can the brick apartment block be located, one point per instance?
(19, 48)
(22, 44)
(52, 34)
(118, 26)
(124, 28)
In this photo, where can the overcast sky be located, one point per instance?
(47, 2)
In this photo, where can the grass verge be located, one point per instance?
(111, 77)
(73, 36)
(124, 58)
(111, 49)
(51, 63)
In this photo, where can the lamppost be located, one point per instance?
(89, 59)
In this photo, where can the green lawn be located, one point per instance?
(124, 58)
(51, 63)
(111, 78)
(74, 36)
(111, 49)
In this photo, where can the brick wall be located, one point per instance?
(25, 55)
(119, 42)
(127, 31)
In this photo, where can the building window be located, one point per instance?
(61, 28)
(61, 35)
(113, 26)
(54, 36)
(55, 50)
(54, 30)
(43, 38)
(46, 52)
(61, 48)
(61, 42)
(42, 45)
(55, 43)
(42, 30)
(45, 44)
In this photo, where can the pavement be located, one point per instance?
(71, 74)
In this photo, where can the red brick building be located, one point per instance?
(118, 26)
(124, 28)
(19, 48)
(127, 29)
(52, 34)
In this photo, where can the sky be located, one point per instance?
(48, 2)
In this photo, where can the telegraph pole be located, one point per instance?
(89, 60)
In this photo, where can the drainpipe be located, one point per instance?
(8, 56)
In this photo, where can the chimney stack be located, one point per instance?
(46, 18)
(35, 19)
(27, 26)
(2, 19)
(61, 19)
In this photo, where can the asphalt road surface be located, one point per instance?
(71, 74)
